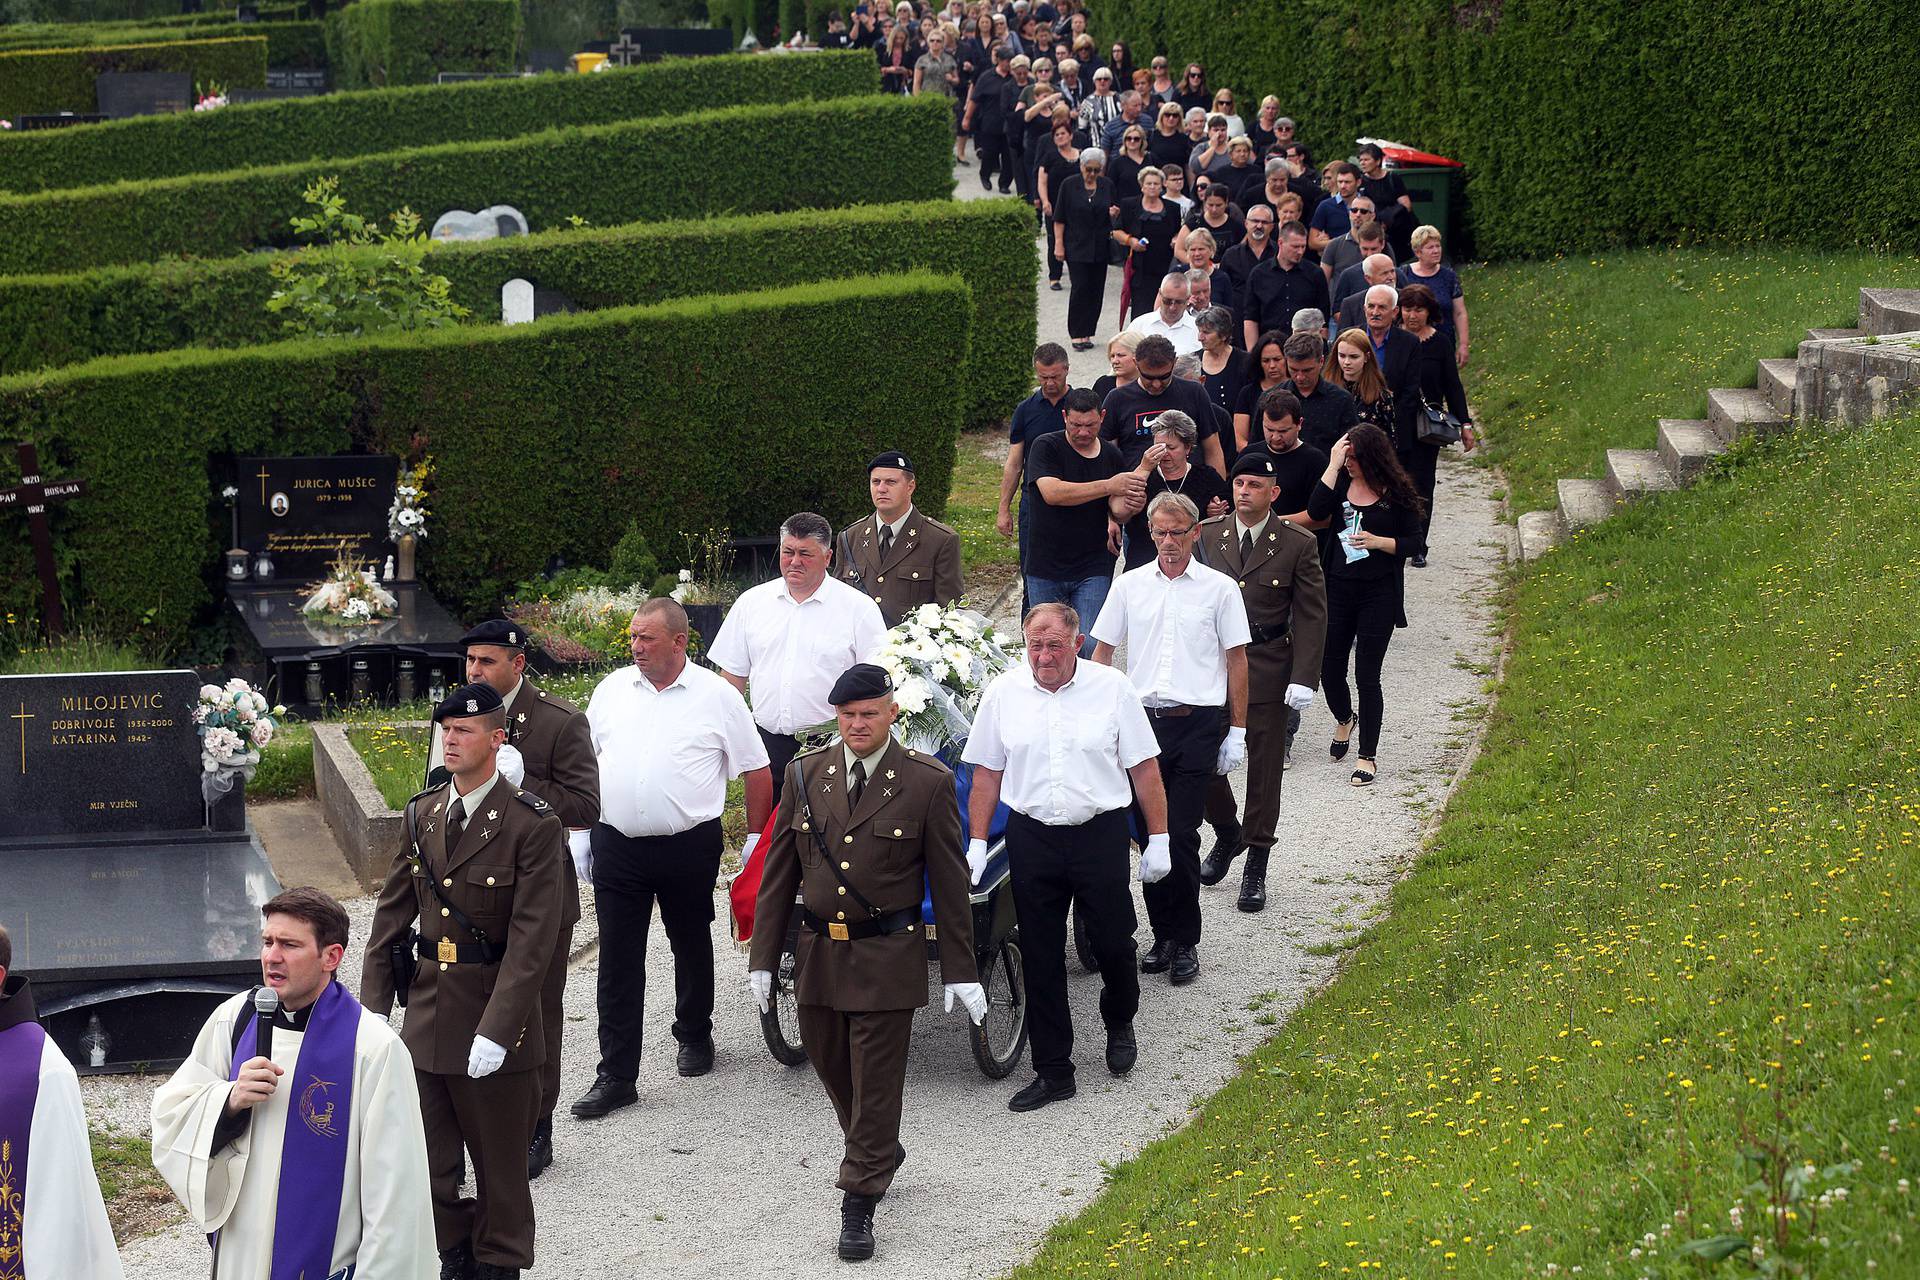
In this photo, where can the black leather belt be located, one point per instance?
(890, 922)
(460, 953)
(1170, 713)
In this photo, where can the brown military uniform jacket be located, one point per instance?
(1286, 598)
(904, 833)
(506, 874)
(922, 566)
(552, 737)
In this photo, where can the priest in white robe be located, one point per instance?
(307, 1162)
(53, 1225)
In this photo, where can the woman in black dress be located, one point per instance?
(1439, 380)
(1151, 224)
(1168, 144)
(1059, 166)
(1083, 214)
(1175, 473)
(1376, 522)
(1128, 163)
(1223, 369)
(1352, 367)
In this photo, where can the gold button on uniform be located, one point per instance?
(896, 831)
(447, 883)
(445, 911)
(839, 915)
(443, 968)
(1243, 582)
(916, 573)
(489, 879)
(805, 827)
(881, 578)
(846, 866)
(843, 891)
(1276, 582)
(847, 839)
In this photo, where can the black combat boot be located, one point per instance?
(856, 1227)
(1253, 882)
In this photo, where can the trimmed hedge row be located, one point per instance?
(58, 320)
(805, 155)
(1594, 122)
(548, 438)
(375, 120)
(289, 44)
(390, 42)
(48, 80)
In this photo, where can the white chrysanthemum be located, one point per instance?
(939, 671)
(927, 615)
(911, 696)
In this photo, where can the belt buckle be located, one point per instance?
(838, 932)
(448, 953)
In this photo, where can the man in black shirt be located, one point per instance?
(987, 122)
(1281, 286)
(1327, 412)
(1256, 248)
(1296, 464)
(1073, 480)
(1131, 410)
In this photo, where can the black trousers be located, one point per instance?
(1085, 867)
(1353, 626)
(1017, 163)
(1054, 265)
(990, 145)
(781, 749)
(629, 875)
(1189, 751)
(1089, 294)
(1421, 462)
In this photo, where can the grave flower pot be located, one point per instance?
(226, 796)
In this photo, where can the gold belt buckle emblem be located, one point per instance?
(838, 932)
(449, 954)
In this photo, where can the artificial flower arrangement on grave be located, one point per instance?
(349, 596)
(408, 514)
(234, 723)
(941, 661)
(211, 97)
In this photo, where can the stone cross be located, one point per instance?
(34, 493)
(624, 50)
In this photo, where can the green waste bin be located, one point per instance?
(1437, 192)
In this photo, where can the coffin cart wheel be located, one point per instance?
(999, 1041)
(780, 1024)
(1083, 940)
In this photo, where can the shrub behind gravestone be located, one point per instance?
(391, 42)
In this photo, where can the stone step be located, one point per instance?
(1687, 445)
(1777, 379)
(1884, 311)
(1737, 412)
(1828, 335)
(1584, 503)
(1540, 532)
(1635, 473)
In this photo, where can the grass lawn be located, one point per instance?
(976, 498)
(1578, 355)
(1668, 920)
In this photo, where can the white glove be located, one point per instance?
(1156, 862)
(484, 1058)
(511, 765)
(973, 996)
(977, 859)
(760, 982)
(746, 850)
(1233, 751)
(580, 845)
(1299, 697)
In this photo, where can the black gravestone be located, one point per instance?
(132, 918)
(142, 93)
(655, 43)
(302, 80)
(300, 510)
(58, 120)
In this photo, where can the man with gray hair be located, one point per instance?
(1130, 104)
(1185, 629)
(1199, 293)
(1169, 318)
(1376, 273)
(789, 639)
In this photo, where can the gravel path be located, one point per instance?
(732, 1174)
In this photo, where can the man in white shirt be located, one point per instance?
(53, 1225)
(667, 734)
(1185, 628)
(785, 642)
(1067, 745)
(1170, 318)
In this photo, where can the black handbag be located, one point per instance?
(1438, 427)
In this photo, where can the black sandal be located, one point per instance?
(1363, 776)
(1339, 748)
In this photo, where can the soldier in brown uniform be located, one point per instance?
(551, 756)
(862, 823)
(898, 556)
(1277, 564)
(482, 870)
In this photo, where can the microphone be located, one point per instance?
(266, 1003)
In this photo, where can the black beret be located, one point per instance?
(1254, 463)
(859, 682)
(510, 635)
(469, 700)
(892, 458)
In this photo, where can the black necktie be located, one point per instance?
(857, 780)
(1246, 546)
(456, 822)
(886, 540)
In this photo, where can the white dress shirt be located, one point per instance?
(1064, 755)
(665, 754)
(791, 651)
(1185, 336)
(1177, 632)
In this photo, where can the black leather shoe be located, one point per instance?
(695, 1059)
(856, 1227)
(899, 1156)
(1186, 966)
(540, 1150)
(1040, 1093)
(1419, 561)
(488, 1271)
(457, 1263)
(607, 1095)
(1158, 957)
(1121, 1049)
(1226, 847)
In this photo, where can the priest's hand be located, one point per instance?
(970, 994)
(760, 982)
(511, 765)
(254, 1085)
(484, 1058)
(976, 859)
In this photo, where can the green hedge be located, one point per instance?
(289, 44)
(56, 320)
(1595, 122)
(742, 159)
(390, 42)
(47, 80)
(547, 439)
(375, 120)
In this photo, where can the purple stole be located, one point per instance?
(314, 1149)
(20, 1049)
